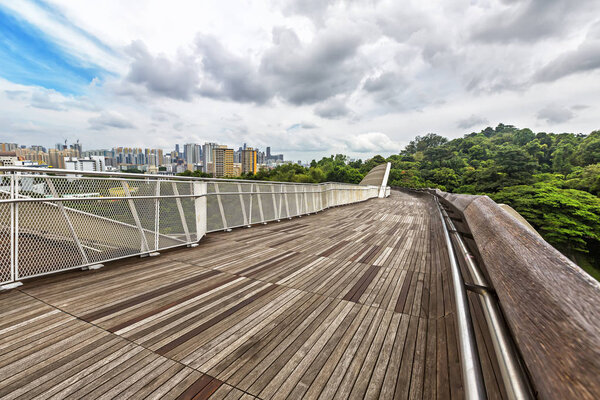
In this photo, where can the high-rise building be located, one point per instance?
(222, 161)
(260, 157)
(56, 158)
(192, 153)
(273, 157)
(8, 146)
(237, 169)
(77, 147)
(248, 160)
(207, 156)
(37, 157)
(93, 163)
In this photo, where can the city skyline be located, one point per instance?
(308, 78)
(216, 159)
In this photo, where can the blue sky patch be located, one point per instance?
(29, 57)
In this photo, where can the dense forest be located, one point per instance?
(553, 180)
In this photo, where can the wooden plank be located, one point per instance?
(348, 303)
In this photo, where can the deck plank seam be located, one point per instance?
(128, 340)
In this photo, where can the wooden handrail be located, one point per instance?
(551, 305)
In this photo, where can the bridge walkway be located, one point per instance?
(354, 302)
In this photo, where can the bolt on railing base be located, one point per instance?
(153, 254)
(9, 286)
(193, 245)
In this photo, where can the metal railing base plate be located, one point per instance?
(92, 267)
(9, 286)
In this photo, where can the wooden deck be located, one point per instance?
(354, 302)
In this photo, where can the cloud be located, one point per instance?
(471, 121)
(372, 142)
(26, 127)
(302, 125)
(20, 95)
(579, 107)
(176, 79)
(386, 87)
(313, 9)
(531, 20)
(110, 119)
(227, 76)
(288, 69)
(555, 114)
(313, 72)
(332, 109)
(585, 58)
(46, 99)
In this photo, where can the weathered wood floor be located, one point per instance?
(353, 302)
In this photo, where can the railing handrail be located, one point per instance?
(156, 176)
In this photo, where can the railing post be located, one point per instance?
(181, 213)
(297, 202)
(200, 203)
(260, 207)
(220, 206)
(239, 187)
(144, 245)
(61, 207)
(306, 210)
(250, 207)
(13, 230)
(276, 211)
(285, 195)
(157, 216)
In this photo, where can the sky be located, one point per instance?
(309, 78)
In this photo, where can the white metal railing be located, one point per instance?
(55, 220)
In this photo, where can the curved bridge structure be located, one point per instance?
(422, 294)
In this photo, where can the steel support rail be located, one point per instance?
(471, 367)
(513, 376)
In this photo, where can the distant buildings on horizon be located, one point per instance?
(212, 158)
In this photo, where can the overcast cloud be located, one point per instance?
(309, 78)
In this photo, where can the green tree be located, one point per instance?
(588, 152)
(569, 219)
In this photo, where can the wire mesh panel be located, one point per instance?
(267, 201)
(64, 222)
(55, 220)
(232, 204)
